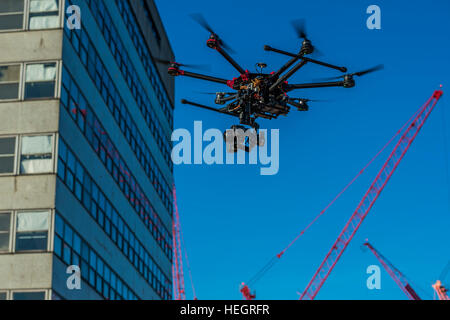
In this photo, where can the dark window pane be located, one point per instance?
(5, 221)
(2, 295)
(9, 90)
(7, 164)
(11, 6)
(7, 145)
(58, 245)
(39, 90)
(4, 241)
(27, 241)
(11, 21)
(29, 296)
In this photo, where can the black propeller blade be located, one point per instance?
(300, 28)
(191, 66)
(359, 73)
(308, 100)
(200, 19)
(215, 93)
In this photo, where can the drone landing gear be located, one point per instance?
(243, 138)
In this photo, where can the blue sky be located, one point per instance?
(235, 220)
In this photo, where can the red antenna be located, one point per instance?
(395, 274)
(369, 198)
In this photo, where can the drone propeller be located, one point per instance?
(359, 73)
(300, 28)
(200, 19)
(215, 93)
(191, 66)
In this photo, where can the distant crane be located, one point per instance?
(370, 198)
(395, 274)
(413, 126)
(440, 290)
(179, 292)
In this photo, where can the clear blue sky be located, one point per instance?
(235, 220)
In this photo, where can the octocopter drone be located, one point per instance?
(260, 94)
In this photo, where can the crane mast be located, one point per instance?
(177, 264)
(395, 274)
(369, 198)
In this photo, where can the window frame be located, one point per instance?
(16, 146)
(19, 154)
(10, 231)
(26, 17)
(56, 80)
(45, 291)
(20, 79)
(13, 231)
(24, 12)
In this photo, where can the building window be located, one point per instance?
(36, 155)
(9, 80)
(44, 14)
(32, 231)
(11, 14)
(36, 295)
(5, 227)
(7, 154)
(40, 80)
(2, 296)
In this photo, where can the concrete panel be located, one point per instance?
(31, 45)
(29, 117)
(26, 271)
(27, 192)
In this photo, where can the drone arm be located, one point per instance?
(201, 76)
(288, 75)
(183, 101)
(315, 85)
(299, 56)
(230, 60)
(286, 66)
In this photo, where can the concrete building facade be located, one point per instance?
(85, 171)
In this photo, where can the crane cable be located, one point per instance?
(276, 258)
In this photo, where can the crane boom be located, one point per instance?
(177, 265)
(395, 274)
(369, 198)
(440, 290)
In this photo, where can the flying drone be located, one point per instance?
(263, 95)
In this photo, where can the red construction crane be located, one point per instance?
(370, 198)
(179, 292)
(440, 290)
(177, 264)
(395, 274)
